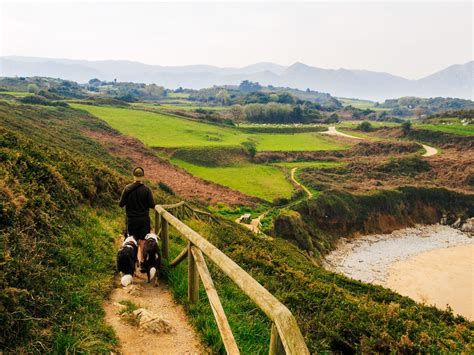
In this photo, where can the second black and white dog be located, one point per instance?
(127, 260)
(152, 258)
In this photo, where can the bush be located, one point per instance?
(250, 148)
(280, 201)
(409, 166)
(406, 128)
(32, 88)
(334, 118)
(365, 126)
(40, 100)
(166, 188)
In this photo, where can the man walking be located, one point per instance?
(138, 199)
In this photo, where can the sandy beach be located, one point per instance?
(431, 264)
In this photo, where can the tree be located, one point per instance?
(95, 82)
(248, 86)
(237, 113)
(154, 91)
(223, 97)
(418, 111)
(285, 98)
(406, 128)
(334, 118)
(32, 88)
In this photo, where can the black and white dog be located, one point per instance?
(127, 259)
(152, 257)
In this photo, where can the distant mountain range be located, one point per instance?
(454, 81)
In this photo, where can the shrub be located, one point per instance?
(32, 88)
(406, 128)
(365, 126)
(166, 188)
(250, 148)
(40, 100)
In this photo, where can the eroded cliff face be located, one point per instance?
(315, 225)
(289, 225)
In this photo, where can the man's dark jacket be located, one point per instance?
(137, 199)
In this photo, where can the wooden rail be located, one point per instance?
(286, 337)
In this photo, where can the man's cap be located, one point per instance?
(138, 172)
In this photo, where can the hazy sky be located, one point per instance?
(404, 38)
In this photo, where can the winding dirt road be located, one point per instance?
(333, 132)
(430, 151)
(309, 193)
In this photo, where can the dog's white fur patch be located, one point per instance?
(129, 239)
(152, 273)
(126, 280)
(152, 236)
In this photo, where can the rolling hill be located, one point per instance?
(454, 81)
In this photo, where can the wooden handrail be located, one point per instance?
(285, 332)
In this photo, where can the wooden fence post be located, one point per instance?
(164, 237)
(276, 346)
(157, 223)
(193, 277)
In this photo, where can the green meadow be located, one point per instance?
(263, 181)
(308, 164)
(361, 104)
(182, 105)
(453, 128)
(16, 93)
(162, 130)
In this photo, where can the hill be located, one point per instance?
(455, 81)
(58, 195)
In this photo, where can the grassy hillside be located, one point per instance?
(58, 192)
(264, 181)
(59, 221)
(57, 255)
(161, 130)
(335, 314)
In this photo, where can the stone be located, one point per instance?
(152, 322)
(468, 226)
(457, 224)
(134, 290)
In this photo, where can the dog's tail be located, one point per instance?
(126, 280)
(152, 272)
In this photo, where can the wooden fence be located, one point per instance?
(286, 337)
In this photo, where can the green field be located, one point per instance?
(361, 104)
(177, 105)
(308, 164)
(298, 142)
(181, 95)
(455, 128)
(16, 93)
(162, 130)
(264, 181)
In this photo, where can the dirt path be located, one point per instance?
(430, 151)
(182, 340)
(156, 169)
(254, 225)
(333, 132)
(309, 193)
